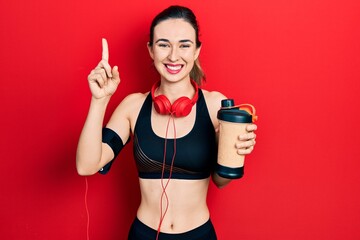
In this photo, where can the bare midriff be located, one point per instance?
(187, 208)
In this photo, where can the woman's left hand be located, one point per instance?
(247, 140)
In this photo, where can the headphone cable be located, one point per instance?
(162, 215)
(87, 209)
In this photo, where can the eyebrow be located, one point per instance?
(166, 40)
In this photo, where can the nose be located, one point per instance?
(173, 55)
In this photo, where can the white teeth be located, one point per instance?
(174, 68)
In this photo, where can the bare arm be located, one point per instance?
(92, 154)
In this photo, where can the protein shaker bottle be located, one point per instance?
(233, 121)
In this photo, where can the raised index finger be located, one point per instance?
(105, 50)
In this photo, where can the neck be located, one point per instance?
(175, 90)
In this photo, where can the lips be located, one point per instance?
(173, 68)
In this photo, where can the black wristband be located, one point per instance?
(112, 139)
(228, 172)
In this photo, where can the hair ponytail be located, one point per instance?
(196, 73)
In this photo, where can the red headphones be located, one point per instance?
(180, 108)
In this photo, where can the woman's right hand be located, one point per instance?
(104, 80)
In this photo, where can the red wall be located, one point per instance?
(297, 61)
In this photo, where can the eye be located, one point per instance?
(163, 45)
(185, 46)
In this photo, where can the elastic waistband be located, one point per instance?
(201, 232)
(174, 175)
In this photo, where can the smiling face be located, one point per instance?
(174, 49)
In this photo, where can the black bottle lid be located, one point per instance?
(230, 113)
(226, 103)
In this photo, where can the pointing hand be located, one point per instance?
(104, 80)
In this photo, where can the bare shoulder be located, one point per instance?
(130, 104)
(134, 98)
(213, 103)
(213, 99)
(123, 118)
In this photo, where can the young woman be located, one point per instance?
(174, 128)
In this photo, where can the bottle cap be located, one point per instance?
(231, 113)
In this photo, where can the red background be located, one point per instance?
(296, 61)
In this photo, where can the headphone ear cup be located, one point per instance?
(162, 104)
(182, 107)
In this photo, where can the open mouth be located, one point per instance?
(173, 68)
